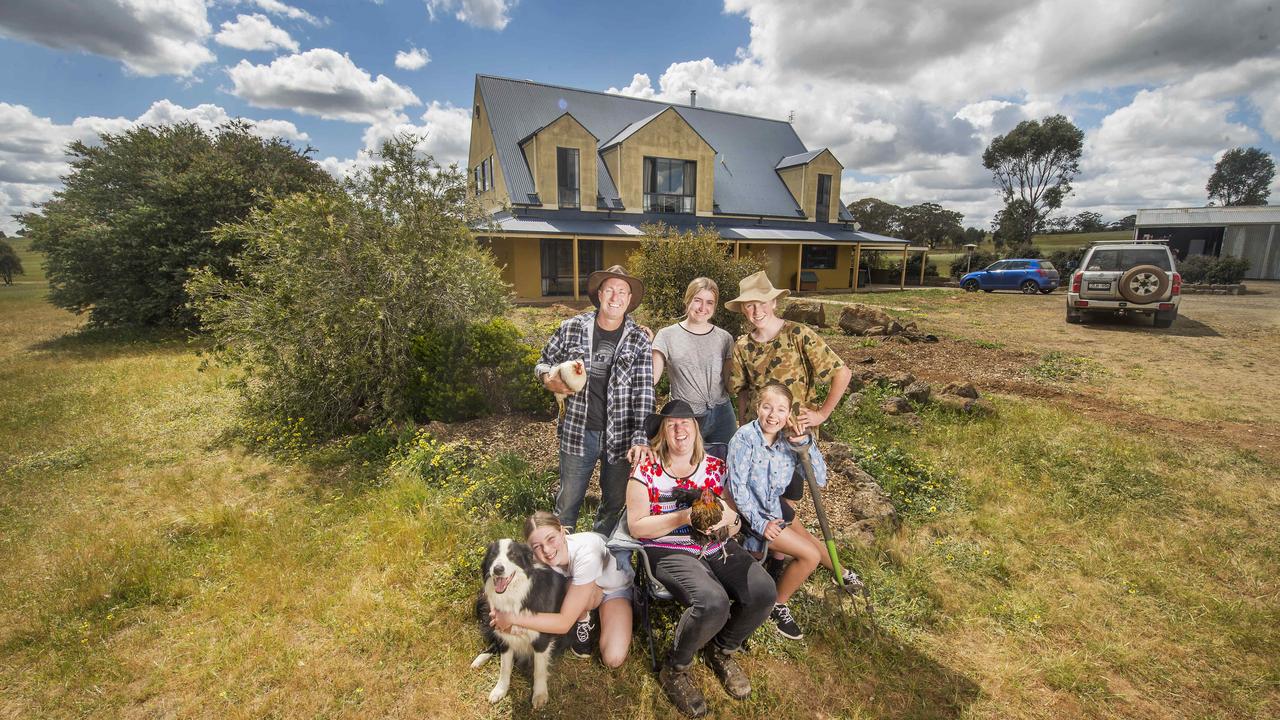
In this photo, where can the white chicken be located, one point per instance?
(574, 374)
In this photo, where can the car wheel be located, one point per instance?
(1144, 284)
(1029, 287)
(970, 286)
(1046, 291)
(1074, 316)
(1165, 319)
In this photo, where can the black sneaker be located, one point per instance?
(853, 583)
(786, 624)
(580, 639)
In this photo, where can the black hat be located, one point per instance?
(673, 409)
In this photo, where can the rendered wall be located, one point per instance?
(567, 132)
(482, 146)
(669, 136)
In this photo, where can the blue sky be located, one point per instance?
(907, 96)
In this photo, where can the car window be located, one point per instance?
(1121, 259)
(997, 265)
(1047, 265)
(1018, 265)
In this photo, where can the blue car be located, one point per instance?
(1026, 275)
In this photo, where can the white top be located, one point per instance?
(591, 562)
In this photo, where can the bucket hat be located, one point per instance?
(597, 278)
(755, 288)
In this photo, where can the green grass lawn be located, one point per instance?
(151, 566)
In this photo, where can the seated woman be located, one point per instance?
(761, 464)
(728, 594)
(595, 581)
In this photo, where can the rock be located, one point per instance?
(931, 338)
(895, 406)
(966, 390)
(809, 313)
(901, 380)
(853, 399)
(855, 319)
(910, 327)
(907, 420)
(871, 503)
(874, 330)
(862, 532)
(868, 360)
(893, 328)
(957, 403)
(918, 392)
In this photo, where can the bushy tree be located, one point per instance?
(977, 261)
(668, 260)
(1242, 177)
(1033, 165)
(930, 224)
(1087, 222)
(1014, 224)
(333, 287)
(1128, 222)
(1067, 260)
(875, 215)
(974, 236)
(10, 263)
(134, 217)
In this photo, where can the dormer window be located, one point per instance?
(567, 176)
(670, 185)
(823, 211)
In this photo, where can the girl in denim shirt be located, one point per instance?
(761, 463)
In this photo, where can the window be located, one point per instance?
(818, 257)
(669, 185)
(823, 212)
(567, 176)
(1121, 259)
(557, 264)
(484, 175)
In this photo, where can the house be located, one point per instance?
(569, 176)
(1252, 233)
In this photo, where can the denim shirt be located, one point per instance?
(760, 473)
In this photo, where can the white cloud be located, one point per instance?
(488, 14)
(320, 82)
(151, 37)
(254, 32)
(275, 7)
(907, 98)
(444, 133)
(412, 59)
(33, 148)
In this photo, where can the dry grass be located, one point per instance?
(151, 568)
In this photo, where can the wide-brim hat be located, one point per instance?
(755, 288)
(673, 409)
(597, 278)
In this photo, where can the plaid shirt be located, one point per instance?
(630, 392)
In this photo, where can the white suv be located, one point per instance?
(1127, 278)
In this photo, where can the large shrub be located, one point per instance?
(1025, 250)
(332, 288)
(134, 217)
(477, 370)
(1195, 268)
(667, 260)
(1227, 270)
(1066, 260)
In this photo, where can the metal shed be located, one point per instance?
(1252, 233)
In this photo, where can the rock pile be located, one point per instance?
(861, 507)
(870, 321)
(809, 313)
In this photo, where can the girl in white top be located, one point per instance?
(596, 580)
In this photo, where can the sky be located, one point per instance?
(906, 95)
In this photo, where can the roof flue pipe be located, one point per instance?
(693, 98)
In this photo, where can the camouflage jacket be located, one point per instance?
(797, 357)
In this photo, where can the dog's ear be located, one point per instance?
(522, 555)
(489, 556)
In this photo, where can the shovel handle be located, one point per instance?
(802, 454)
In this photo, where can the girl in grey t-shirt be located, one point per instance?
(694, 353)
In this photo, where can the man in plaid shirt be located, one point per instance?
(604, 421)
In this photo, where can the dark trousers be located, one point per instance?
(728, 596)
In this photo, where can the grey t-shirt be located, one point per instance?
(695, 364)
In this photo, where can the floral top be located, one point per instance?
(708, 474)
(760, 473)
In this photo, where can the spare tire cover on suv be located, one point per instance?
(1144, 284)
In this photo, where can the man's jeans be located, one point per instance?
(575, 474)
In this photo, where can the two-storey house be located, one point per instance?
(569, 177)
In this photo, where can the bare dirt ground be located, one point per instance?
(1212, 375)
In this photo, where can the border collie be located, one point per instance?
(515, 582)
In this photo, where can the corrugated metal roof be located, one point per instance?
(801, 159)
(629, 130)
(1251, 215)
(566, 222)
(748, 147)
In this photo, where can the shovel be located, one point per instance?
(802, 454)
